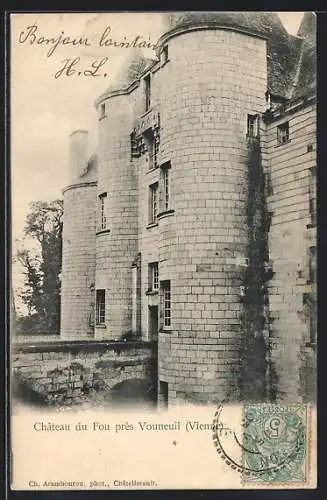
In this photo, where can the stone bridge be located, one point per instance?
(69, 373)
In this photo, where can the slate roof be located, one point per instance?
(132, 68)
(283, 49)
(255, 22)
(306, 79)
(291, 60)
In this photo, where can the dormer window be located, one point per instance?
(147, 83)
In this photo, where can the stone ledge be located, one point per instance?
(79, 185)
(80, 345)
(103, 231)
(152, 224)
(165, 213)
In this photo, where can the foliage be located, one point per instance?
(42, 266)
(254, 318)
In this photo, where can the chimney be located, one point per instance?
(78, 153)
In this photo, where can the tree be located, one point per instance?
(31, 294)
(42, 266)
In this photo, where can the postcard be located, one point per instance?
(163, 282)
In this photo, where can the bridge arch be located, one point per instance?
(134, 391)
(73, 373)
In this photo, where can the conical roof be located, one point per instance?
(284, 52)
(255, 22)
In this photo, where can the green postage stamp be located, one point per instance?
(275, 443)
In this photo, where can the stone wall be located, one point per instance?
(290, 174)
(70, 373)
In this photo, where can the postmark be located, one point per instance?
(265, 443)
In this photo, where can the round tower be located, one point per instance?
(117, 198)
(212, 90)
(78, 250)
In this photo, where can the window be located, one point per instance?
(166, 303)
(283, 134)
(312, 196)
(153, 276)
(102, 211)
(147, 83)
(165, 193)
(153, 202)
(154, 155)
(134, 149)
(166, 188)
(252, 126)
(165, 54)
(100, 307)
(313, 264)
(152, 144)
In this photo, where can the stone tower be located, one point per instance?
(117, 199)
(78, 254)
(216, 80)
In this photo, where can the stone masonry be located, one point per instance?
(73, 372)
(194, 223)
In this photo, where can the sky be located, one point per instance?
(45, 109)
